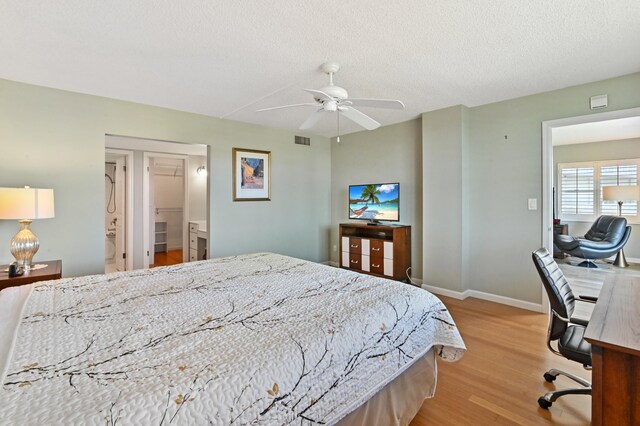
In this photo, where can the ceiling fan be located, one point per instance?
(334, 98)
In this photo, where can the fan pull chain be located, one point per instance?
(338, 119)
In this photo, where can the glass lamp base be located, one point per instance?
(24, 245)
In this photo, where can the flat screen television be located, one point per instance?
(375, 202)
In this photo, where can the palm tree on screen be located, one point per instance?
(370, 194)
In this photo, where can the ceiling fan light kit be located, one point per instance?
(334, 98)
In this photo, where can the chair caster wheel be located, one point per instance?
(543, 403)
(549, 377)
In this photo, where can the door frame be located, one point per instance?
(146, 236)
(129, 202)
(548, 172)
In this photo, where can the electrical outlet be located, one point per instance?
(335, 247)
(533, 203)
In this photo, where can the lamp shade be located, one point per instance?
(26, 203)
(621, 193)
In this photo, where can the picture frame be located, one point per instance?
(251, 175)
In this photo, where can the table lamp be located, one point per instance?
(25, 204)
(621, 194)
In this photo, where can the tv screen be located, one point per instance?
(375, 202)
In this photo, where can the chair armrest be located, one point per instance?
(596, 245)
(588, 299)
(579, 321)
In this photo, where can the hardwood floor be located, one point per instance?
(171, 257)
(499, 379)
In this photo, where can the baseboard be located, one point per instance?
(445, 292)
(461, 295)
(536, 307)
(331, 263)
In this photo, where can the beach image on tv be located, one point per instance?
(252, 176)
(374, 202)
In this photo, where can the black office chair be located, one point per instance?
(567, 332)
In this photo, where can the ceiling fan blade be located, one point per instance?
(377, 103)
(319, 94)
(286, 106)
(312, 120)
(359, 118)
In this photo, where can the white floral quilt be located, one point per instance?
(255, 339)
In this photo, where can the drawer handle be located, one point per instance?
(354, 246)
(354, 261)
(375, 249)
(375, 266)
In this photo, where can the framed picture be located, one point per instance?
(251, 175)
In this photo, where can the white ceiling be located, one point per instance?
(599, 131)
(228, 58)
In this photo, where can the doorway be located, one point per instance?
(548, 129)
(118, 223)
(191, 163)
(166, 207)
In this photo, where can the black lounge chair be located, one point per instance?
(607, 236)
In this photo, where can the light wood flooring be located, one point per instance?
(499, 379)
(171, 257)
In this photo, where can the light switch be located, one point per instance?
(533, 204)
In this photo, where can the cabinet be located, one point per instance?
(379, 250)
(197, 240)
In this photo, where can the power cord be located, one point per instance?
(409, 277)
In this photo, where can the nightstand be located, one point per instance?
(53, 271)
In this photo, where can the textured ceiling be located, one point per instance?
(228, 58)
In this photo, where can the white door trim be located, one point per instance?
(547, 169)
(129, 202)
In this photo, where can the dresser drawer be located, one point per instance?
(193, 240)
(388, 267)
(355, 261)
(345, 259)
(193, 227)
(388, 250)
(355, 245)
(376, 265)
(193, 255)
(377, 247)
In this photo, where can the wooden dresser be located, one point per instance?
(380, 250)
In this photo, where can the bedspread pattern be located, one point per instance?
(252, 339)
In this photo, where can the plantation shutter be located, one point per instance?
(577, 190)
(618, 175)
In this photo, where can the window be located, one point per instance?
(581, 184)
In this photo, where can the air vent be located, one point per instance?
(301, 140)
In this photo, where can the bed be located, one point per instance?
(253, 339)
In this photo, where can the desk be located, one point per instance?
(614, 333)
(53, 271)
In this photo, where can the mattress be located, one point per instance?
(253, 339)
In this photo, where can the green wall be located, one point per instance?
(478, 166)
(388, 154)
(56, 139)
(481, 163)
(504, 170)
(444, 144)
